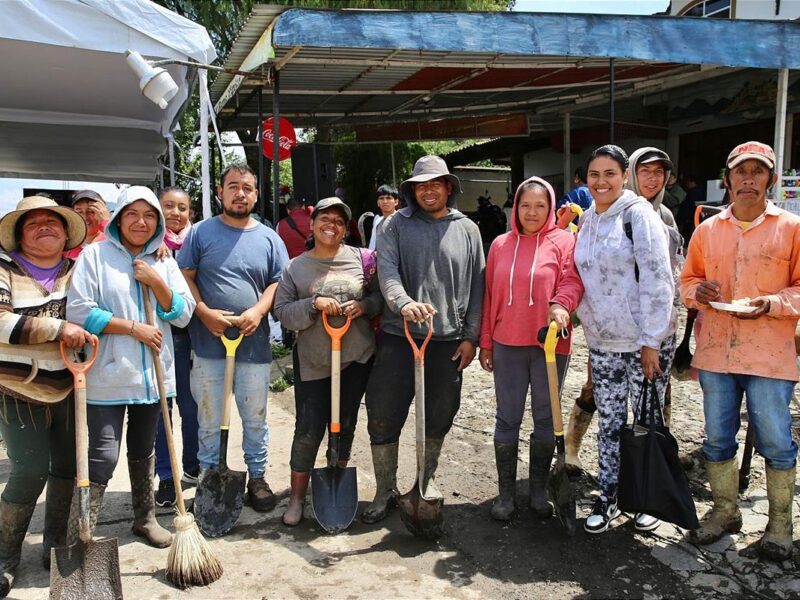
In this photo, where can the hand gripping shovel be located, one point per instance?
(334, 489)
(220, 492)
(559, 488)
(421, 507)
(89, 568)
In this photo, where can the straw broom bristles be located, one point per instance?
(190, 561)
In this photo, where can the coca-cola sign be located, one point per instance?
(287, 139)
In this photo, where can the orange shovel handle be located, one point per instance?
(336, 333)
(79, 369)
(419, 351)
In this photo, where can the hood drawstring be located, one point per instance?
(532, 273)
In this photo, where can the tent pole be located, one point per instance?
(780, 126)
(611, 99)
(567, 151)
(171, 147)
(394, 174)
(276, 145)
(204, 175)
(261, 195)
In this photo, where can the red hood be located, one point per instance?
(550, 223)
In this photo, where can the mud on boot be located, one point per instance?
(144, 506)
(297, 498)
(504, 505)
(776, 544)
(14, 521)
(56, 515)
(541, 457)
(724, 517)
(384, 462)
(96, 493)
(428, 514)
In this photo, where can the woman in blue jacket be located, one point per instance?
(106, 299)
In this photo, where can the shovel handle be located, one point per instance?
(336, 334)
(419, 351)
(550, 342)
(79, 370)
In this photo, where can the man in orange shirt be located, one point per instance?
(749, 254)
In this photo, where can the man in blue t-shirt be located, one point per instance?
(579, 194)
(232, 264)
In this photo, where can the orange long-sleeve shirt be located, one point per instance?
(762, 259)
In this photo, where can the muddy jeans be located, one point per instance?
(312, 401)
(250, 388)
(618, 376)
(518, 369)
(40, 441)
(391, 388)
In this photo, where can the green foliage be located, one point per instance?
(279, 350)
(280, 385)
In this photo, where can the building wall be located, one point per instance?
(747, 9)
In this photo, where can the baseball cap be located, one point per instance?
(87, 195)
(656, 156)
(751, 150)
(332, 202)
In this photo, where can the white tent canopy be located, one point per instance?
(70, 107)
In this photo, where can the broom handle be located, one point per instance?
(173, 459)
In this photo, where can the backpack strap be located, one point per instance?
(629, 233)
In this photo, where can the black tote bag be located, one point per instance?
(651, 479)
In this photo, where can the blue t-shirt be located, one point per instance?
(580, 196)
(234, 267)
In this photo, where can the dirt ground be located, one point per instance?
(477, 557)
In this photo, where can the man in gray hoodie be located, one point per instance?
(430, 266)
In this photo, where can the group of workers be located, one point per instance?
(622, 273)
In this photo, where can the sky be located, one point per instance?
(609, 7)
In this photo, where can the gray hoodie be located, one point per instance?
(436, 261)
(103, 287)
(633, 184)
(619, 313)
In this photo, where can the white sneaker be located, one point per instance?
(603, 513)
(645, 522)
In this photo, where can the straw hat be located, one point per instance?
(76, 228)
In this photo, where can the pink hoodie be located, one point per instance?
(524, 274)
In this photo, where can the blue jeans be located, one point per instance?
(768, 409)
(188, 409)
(250, 387)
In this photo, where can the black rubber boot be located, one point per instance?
(144, 505)
(539, 472)
(384, 462)
(56, 515)
(505, 456)
(14, 521)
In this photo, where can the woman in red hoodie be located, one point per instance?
(531, 280)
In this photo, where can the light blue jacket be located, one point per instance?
(103, 287)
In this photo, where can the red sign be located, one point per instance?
(287, 137)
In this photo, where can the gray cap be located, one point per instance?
(87, 195)
(427, 168)
(332, 202)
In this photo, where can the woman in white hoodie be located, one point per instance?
(627, 312)
(105, 298)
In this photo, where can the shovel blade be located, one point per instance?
(86, 571)
(218, 500)
(561, 494)
(423, 517)
(334, 497)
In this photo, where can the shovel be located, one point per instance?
(89, 568)
(220, 492)
(334, 489)
(420, 508)
(559, 488)
(747, 458)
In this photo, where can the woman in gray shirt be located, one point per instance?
(339, 281)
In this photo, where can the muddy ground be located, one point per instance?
(477, 557)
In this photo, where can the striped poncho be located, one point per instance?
(31, 321)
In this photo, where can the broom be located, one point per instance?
(190, 561)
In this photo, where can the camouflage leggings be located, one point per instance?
(618, 376)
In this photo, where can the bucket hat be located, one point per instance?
(427, 168)
(76, 228)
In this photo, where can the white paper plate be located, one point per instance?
(736, 308)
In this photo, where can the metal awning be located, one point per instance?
(356, 68)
